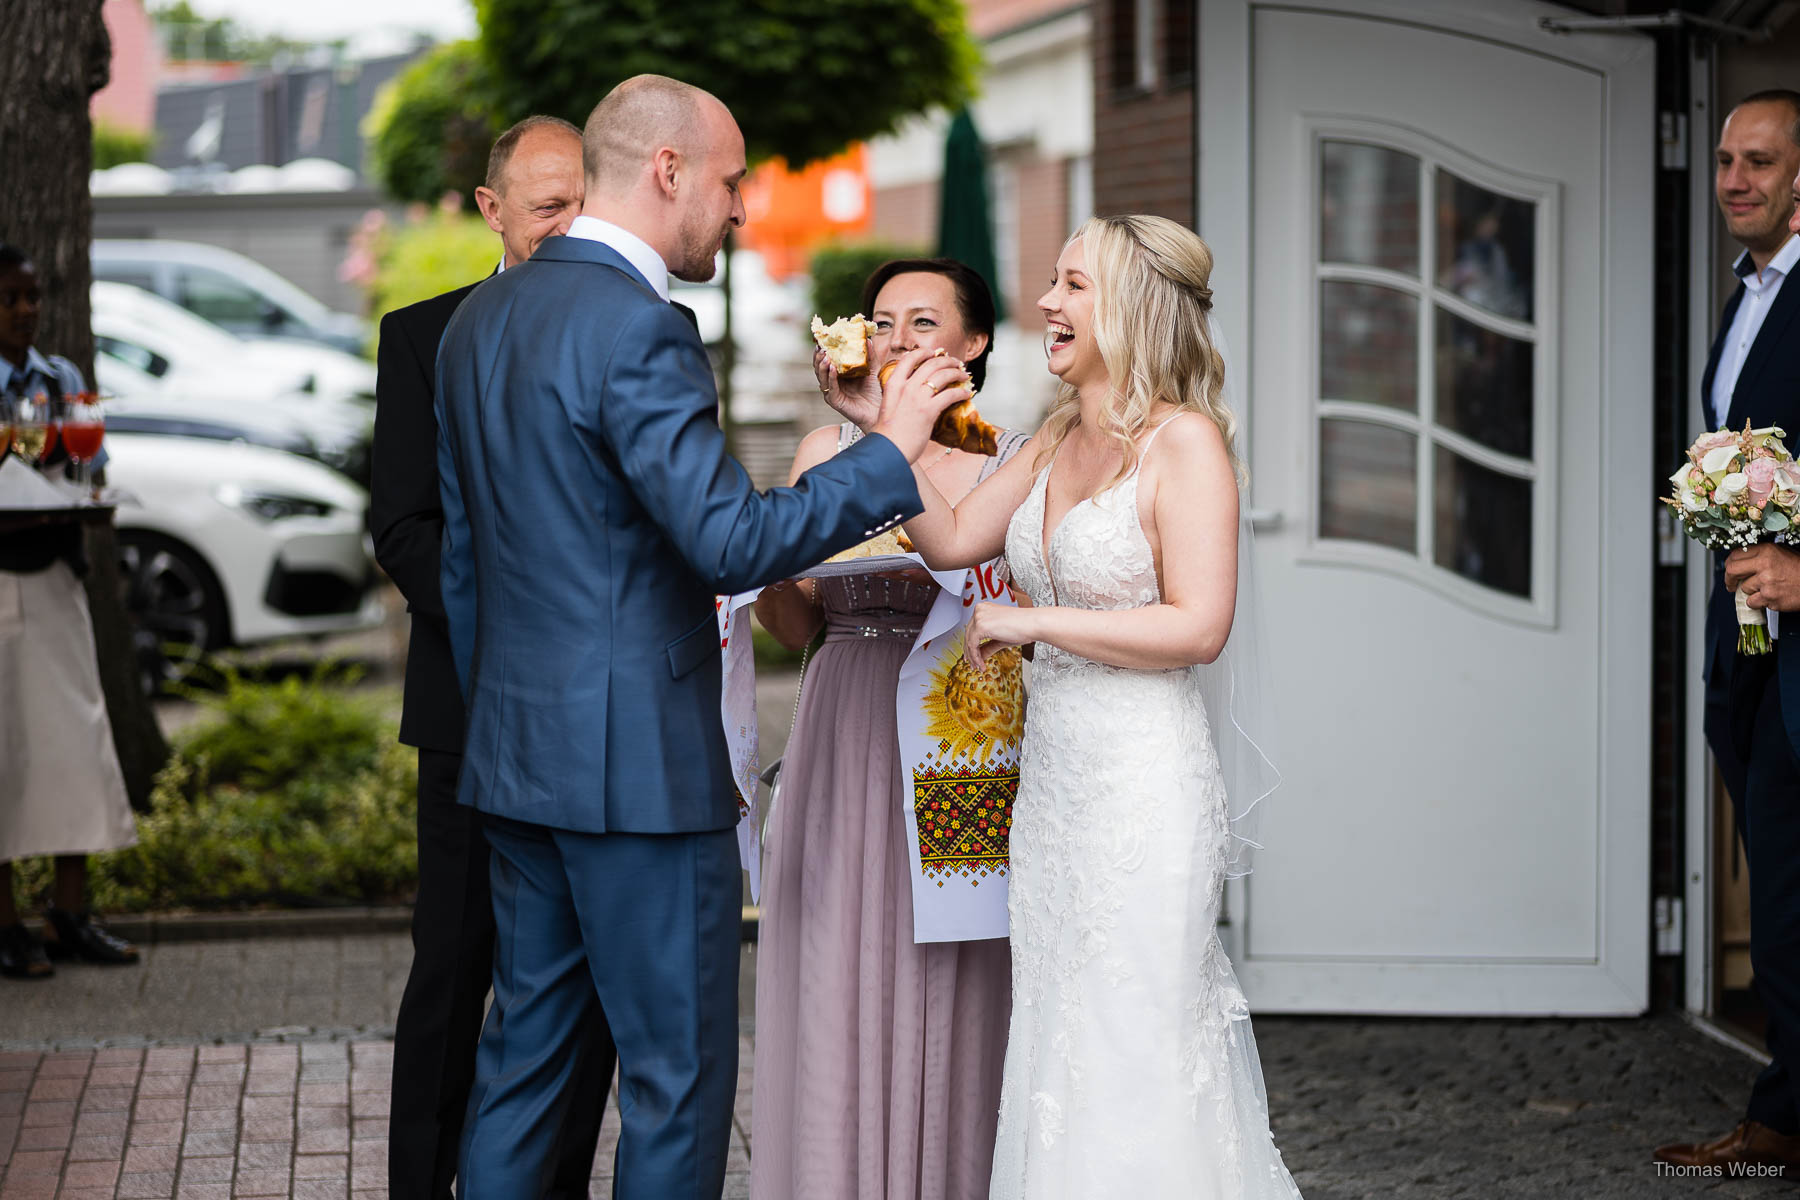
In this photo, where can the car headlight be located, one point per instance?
(270, 506)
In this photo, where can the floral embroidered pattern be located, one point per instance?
(964, 818)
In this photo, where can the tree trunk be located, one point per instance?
(54, 56)
(728, 355)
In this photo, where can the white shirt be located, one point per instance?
(632, 248)
(1760, 290)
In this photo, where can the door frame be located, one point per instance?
(1699, 934)
(1626, 63)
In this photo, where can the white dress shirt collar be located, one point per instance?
(632, 248)
(1781, 266)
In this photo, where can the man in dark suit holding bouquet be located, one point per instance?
(1753, 701)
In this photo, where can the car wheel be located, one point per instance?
(176, 604)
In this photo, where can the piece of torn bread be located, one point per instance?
(893, 541)
(846, 343)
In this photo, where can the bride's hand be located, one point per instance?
(857, 400)
(993, 626)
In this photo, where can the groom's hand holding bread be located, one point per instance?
(920, 386)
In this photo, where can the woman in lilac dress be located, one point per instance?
(878, 1060)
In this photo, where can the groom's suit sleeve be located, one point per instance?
(658, 419)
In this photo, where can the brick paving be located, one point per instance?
(306, 1120)
(260, 1068)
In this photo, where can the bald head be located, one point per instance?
(641, 116)
(663, 159)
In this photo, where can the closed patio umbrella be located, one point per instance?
(965, 216)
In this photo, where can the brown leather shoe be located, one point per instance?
(1750, 1142)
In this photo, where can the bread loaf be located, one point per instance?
(960, 425)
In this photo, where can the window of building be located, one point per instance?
(1134, 45)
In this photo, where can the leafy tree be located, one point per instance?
(192, 36)
(804, 80)
(430, 129)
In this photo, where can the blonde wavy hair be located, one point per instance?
(1151, 301)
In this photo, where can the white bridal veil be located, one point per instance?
(1234, 685)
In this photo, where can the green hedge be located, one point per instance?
(839, 272)
(295, 794)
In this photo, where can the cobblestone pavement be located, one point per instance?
(260, 1068)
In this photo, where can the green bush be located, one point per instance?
(114, 144)
(839, 272)
(429, 257)
(429, 131)
(295, 794)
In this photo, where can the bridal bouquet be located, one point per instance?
(1739, 489)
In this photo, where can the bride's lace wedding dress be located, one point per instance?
(1130, 1067)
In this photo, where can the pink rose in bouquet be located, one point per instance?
(1761, 472)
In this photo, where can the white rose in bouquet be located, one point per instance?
(1717, 461)
(1733, 488)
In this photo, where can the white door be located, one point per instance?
(1448, 395)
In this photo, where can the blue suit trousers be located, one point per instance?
(644, 929)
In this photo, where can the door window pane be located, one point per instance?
(1368, 206)
(1487, 246)
(1484, 384)
(220, 298)
(1368, 484)
(1483, 529)
(1368, 345)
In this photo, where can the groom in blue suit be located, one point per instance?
(591, 514)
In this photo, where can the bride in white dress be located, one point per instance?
(1130, 1067)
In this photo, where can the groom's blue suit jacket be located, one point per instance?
(591, 514)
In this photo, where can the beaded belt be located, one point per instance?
(847, 632)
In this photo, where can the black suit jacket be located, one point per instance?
(1767, 393)
(406, 512)
(406, 515)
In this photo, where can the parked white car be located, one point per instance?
(228, 289)
(230, 544)
(287, 366)
(158, 361)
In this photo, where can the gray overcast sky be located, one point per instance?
(330, 19)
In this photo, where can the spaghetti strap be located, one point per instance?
(1143, 451)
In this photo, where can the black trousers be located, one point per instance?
(445, 999)
(1762, 771)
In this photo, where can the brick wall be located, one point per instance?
(1043, 224)
(1144, 139)
(906, 215)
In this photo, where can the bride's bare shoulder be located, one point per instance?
(1186, 443)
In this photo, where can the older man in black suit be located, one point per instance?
(533, 191)
(1753, 701)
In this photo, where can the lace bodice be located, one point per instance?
(1098, 554)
